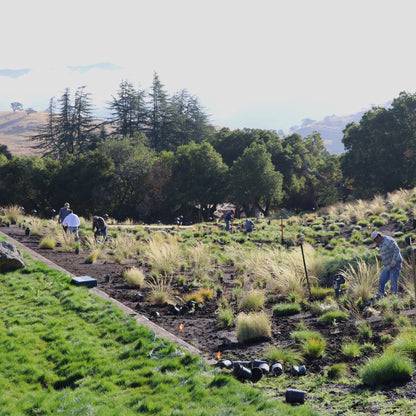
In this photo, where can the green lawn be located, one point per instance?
(64, 351)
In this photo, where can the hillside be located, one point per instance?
(16, 127)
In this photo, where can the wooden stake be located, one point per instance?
(414, 268)
(306, 271)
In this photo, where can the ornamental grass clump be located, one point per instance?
(225, 317)
(337, 371)
(252, 301)
(252, 326)
(320, 292)
(362, 279)
(161, 290)
(364, 329)
(286, 309)
(305, 334)
(389, 367)
(313, 347)
(333, 316)
(93, 256)
(287, 356)
(163, 255)
(47, 242)
(134, 277)
(13, 214)
(405, 343)
(350, 350)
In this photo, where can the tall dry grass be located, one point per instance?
(199, 259)
(12, 214)
(399, 198)
(163, 254)
(161, 290)
(407, 280)
(282, 270)
(124, 247)
(362, 279)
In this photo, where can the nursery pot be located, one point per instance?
(264, 367)
(256, 374)
(295, 396)
(241, 372)
(277, 369)
(246, 364)
(298, 370)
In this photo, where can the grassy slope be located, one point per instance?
(16, 127)
(64, 351)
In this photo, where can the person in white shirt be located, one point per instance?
(72, 222)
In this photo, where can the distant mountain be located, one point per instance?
(331, 128)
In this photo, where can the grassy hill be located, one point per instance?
(16, 127)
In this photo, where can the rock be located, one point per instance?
(10, 257)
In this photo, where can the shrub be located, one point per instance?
(252, 326)
(386, 368)
(134, 277)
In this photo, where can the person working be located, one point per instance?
(72, 222)
(228, 217)
(100, 227)
(249, 226)
(63, 212)
(392, 262)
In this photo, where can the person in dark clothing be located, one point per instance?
(63, 212)
(249, 226)
(228, 217)
(100, 227)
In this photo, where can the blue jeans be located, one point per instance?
(227, 225)
(392, 275)
(74, 230)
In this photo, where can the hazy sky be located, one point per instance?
(258, 64)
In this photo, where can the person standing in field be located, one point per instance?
(73, 222)
(392, 262)
(63, 212)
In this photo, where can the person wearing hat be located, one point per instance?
(63, 212)
(392, 262)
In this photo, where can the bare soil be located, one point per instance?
(198, 325)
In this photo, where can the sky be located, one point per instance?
(265, 64)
